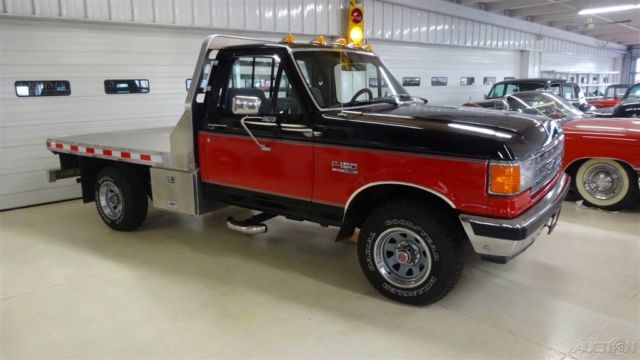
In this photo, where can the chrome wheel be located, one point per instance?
(110, 199)
(402, 257)
(602, 181)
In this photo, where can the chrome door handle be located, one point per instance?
(216, 126)
(242, 122)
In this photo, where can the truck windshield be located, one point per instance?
(338, 78)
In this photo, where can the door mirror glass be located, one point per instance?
(245, 105)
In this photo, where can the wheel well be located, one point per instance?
(572, 169)
(369, 199)
(90, 167)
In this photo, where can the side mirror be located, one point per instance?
(245, 105)
(485, 96)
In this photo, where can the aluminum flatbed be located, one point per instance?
(141, 146)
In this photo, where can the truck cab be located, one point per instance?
(325, 133)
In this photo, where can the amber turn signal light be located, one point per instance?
(504, 179)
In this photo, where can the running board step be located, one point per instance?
(252, 225)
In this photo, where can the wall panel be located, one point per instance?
(426, 61)
(46, 7)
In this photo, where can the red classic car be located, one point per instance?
(612, 96)
(602, 155)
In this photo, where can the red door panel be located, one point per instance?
(236, 161)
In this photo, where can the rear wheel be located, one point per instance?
(607, 184)
(121, 198)
(410, 253)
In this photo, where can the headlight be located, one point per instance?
(510, 178)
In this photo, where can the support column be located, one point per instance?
(530, 62)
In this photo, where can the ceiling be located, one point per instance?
(619, 27)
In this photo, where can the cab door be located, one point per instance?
(256, 144)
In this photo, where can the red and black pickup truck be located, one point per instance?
(325, 133)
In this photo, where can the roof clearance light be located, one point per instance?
(288, 39)
(368, 47)
(319, 40)
(608, 9)
(341, 41)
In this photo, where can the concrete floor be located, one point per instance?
(187, 287)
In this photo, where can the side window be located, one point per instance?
(497, 91)
(512, 88)
(287, 100)
(555, 88)
(252, 76)
(569, 92)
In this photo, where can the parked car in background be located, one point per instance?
(602, 155)
(629, 106)
(567, 90)
(612, 96)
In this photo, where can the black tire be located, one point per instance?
(406, 220)
(624, 188)
(121, 198)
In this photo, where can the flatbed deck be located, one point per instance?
(143, 146)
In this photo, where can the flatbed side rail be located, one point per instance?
(142, 157)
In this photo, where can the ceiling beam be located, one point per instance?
(610, 30)
(568, 15)
(541, 10)
(514, 4)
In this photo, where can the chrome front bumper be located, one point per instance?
(499, 240)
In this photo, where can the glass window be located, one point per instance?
(634, 92)
(253, 76)
(496, 91)
(347, 78)
(439, 81)
(29, 88)
(287, 101)
(569, 93)
(411, 81)
(488, 80)
(126, 86)
(555, 88)
(465, 81)
(512, 88)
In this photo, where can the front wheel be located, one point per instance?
(607, 184)
(121, 198)
(410, 253)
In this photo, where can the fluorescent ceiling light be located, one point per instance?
(608, 9)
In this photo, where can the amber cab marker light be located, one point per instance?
(367, 47)
(319, 40)
(505, 179)
(341, 42)
(288, 39)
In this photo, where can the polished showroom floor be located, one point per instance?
(188, 287)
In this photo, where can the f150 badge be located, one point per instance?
(344, 167)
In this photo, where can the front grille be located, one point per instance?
(548, 162)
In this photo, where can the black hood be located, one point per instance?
(470, 132)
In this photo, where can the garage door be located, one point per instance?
(85, 55)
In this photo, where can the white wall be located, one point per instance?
(563, 62)
(426, 61)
